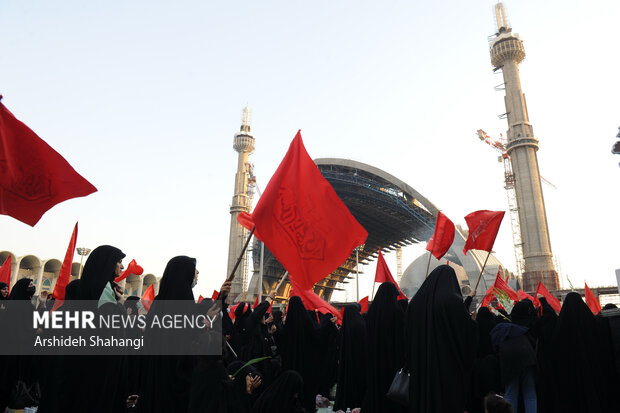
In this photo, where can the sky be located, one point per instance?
(143, 99)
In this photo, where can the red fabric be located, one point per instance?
(442, 239)
(364, 303)
(65, 270)
(33, 177)
(148, 297)
(132, 268)
(487, 298)
(523, 296)
(313, 302)
(501, 285)
(270, 305)
(215, 295)
(255, 303)
(302, 221)
(592, 302)
(383, 274)
(5, 271)
(200, 299)
(553, 302)
(483, 227)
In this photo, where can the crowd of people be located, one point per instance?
(455, 359)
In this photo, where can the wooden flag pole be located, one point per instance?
(481, 271)
(428, 264)
(245, 246)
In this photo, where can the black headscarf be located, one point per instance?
(98, 271)
(352, 360)
(442, 343)
(299, 350)
(486, 321)
(176, 283)
(283, 395)
(385, 328)
(523, 313)
(576, 359)
(21, 291)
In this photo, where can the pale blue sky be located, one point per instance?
(143, 99)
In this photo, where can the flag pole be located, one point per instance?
(245, 246)
(373, 290)
(260, 274)
(428, 264)
(357, 272)
(481, 271)
(281, 282)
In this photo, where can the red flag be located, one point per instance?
(255, 302)
(270, 305)
(592, 302)
(523, 296)
(65, 270)
(33, 177)
(132, 268)
(442, 239)
(148, 297)
(483, 227)
(553, 302)
(383, 274)
(313, 302)
(364, 303)
(487, 298)
(215, 295)
(200, 299)
(501, 285)
(302, 221)
(5, 271)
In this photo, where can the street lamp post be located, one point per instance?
(83, 252)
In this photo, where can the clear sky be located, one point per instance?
(143, 99)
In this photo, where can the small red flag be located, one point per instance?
(215, 295)
(553, 302)
(501, 285)
(33, 176)
(383, 274)
(302, 221)
(483, 227)
(523, 296)
(442, 239)
(200, 299)
(132, 268)
(5, 271)
(364, 304)
(148, 297)
(313, 302)
(255, 302)
(65, 270)
(592, 302)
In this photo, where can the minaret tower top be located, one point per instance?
(244, 140)
(506, 45)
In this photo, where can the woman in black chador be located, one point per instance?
(351, 364)
(106, 376)
(283, 395)
(298, 344)
(165, 384)
(578, 385)
(441, 345)
(385, 328)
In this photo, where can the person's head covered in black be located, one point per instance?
(523, 313)
(176, 283)
(4, 291)
(442, 342)
(22, 290)
(98, 271)
(283, 395)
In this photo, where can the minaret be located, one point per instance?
(506, 53)
(244, 145)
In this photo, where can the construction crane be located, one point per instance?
(509, 186)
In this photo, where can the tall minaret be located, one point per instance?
(506, 53)
(244, 145)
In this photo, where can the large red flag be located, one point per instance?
(148, 297)
(364, 304)
(383, 274)
(302, 221)
(483, 227)
(553, 302)
(5, 271)
(592, 302)
(487, 298)
(33, 176)
(65, 270)
(442, 239)
(313, 302)
(501, 285)
(132, 268)
(525, 296)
